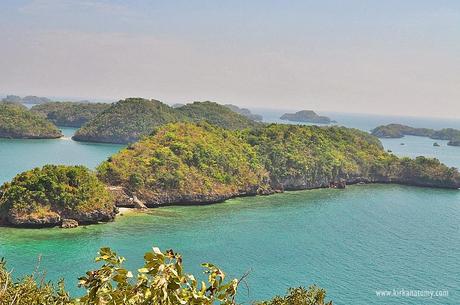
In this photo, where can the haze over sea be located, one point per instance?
(352, 242)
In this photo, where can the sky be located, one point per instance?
(366, 56)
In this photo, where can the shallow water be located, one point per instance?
(351, 242)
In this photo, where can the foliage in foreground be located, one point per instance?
(160, 281)
(300, 296)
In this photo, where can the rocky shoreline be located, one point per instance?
(126, 199)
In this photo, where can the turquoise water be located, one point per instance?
(351, 242)
(20, 155)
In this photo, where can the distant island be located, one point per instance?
(399, 131)
(30, 99)
(246, 112)
(69, 114)
(216, 114)
(128, 120)
(306, 116)
(16, 122)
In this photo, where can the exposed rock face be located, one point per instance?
(69, 223)
(122, 199)
(137, 203)
(306, 116)
(49, 219)
(93, 216)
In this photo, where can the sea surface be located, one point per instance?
(351, 242)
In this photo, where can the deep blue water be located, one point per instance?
(351, 242)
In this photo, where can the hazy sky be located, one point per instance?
(385, 56)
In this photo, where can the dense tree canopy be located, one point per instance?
(45, 196)
(17, 122)
(129, 120)
(200, 163)
(70, 114)
(186, 162)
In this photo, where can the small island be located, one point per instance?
(30, 99)
(306, 116)
(16, 122)
(55, 195)
(399, 131)
(216, 114)
(246, 112)
(131, 119)
(69, 114)
(126, 121)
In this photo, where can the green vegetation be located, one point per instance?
(300, 296)
(302, 157)
(399, 131)
(215, 114)
(45, 196)
(306, 116)
(161, 280)
(126, 121)
(70, 114)
(199, 163)
(17, 122)
(187, 163)
(129, 120)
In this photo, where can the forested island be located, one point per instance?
(186, 163)
(128, 120)
(16, 122)
(55, 195)
(69, 114)
(306, 116)
(399, 131)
